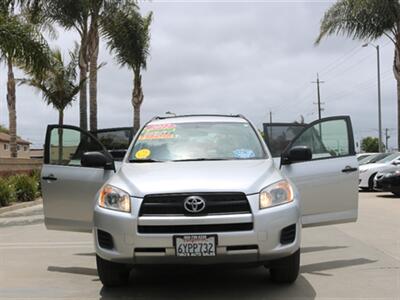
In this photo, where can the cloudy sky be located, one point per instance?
(245, 57)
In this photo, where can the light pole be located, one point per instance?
(379, 92)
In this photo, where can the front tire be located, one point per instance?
(112, 274)
(286, 270)
(371, 183)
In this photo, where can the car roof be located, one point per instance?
(199, 119)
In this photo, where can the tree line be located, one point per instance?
(23, 24)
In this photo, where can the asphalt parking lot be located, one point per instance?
(351, 261)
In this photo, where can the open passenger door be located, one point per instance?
(68, 188)
(328, 183)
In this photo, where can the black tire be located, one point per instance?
(112, 274)
(371, 182)
(397, 194)
(285, 270)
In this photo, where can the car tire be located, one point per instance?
(371, 182)
(285, 270)
(112, 274)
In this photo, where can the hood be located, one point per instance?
(389, 169)
(247, 176)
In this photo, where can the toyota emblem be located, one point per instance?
(194, 204)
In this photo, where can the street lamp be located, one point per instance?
(379, 92)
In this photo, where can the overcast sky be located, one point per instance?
(232, 57)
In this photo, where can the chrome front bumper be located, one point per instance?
(261, 243)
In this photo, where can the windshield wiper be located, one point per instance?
(201, 159)
(143, 160)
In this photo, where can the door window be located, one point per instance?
(279, 135)
(115, 140)
(326, 139)
(66, 146)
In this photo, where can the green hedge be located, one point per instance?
(7, 192)
(25, 187)
(20, 188)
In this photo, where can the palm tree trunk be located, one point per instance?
(137, 99)
(83, 69)
(12, 114)
(94, 54)
(60, 135)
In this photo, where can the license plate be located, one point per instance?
(195, 245)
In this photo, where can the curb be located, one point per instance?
(20, 205)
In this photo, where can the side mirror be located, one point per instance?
(97, 160)
(396, 163)
(296, 154)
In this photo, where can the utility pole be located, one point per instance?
(379, 92)
(270, 122)
(318, 82)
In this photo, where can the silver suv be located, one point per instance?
(198, 190)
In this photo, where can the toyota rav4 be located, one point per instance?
(198, 189)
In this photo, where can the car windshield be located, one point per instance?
(389, 158)
(197, 141)
(363, 156)
(373, 158)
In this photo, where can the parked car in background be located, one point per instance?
(364, 155)
(388, 181)
(368, 171)
(199, 190)
(373, 158)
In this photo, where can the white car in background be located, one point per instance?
(364, 155)
(373, 158)
(368, 171)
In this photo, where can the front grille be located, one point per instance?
(173, 204)
(288, 234)
(105, 239)
(196, 228)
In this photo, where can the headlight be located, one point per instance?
(114, 198)
(276, 194)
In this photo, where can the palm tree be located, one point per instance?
(367, 20)
(75, 14)
(23, 45)
(128, 35)
(58, 85)
(99, 9)
(84, 16)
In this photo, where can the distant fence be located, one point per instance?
(10, 166)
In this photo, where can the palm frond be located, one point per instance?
(22, 43)
(360, 19)
(58, 84)
(128, 36)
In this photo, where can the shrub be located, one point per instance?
(6, 192)
(35, 174)
(25, 187)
